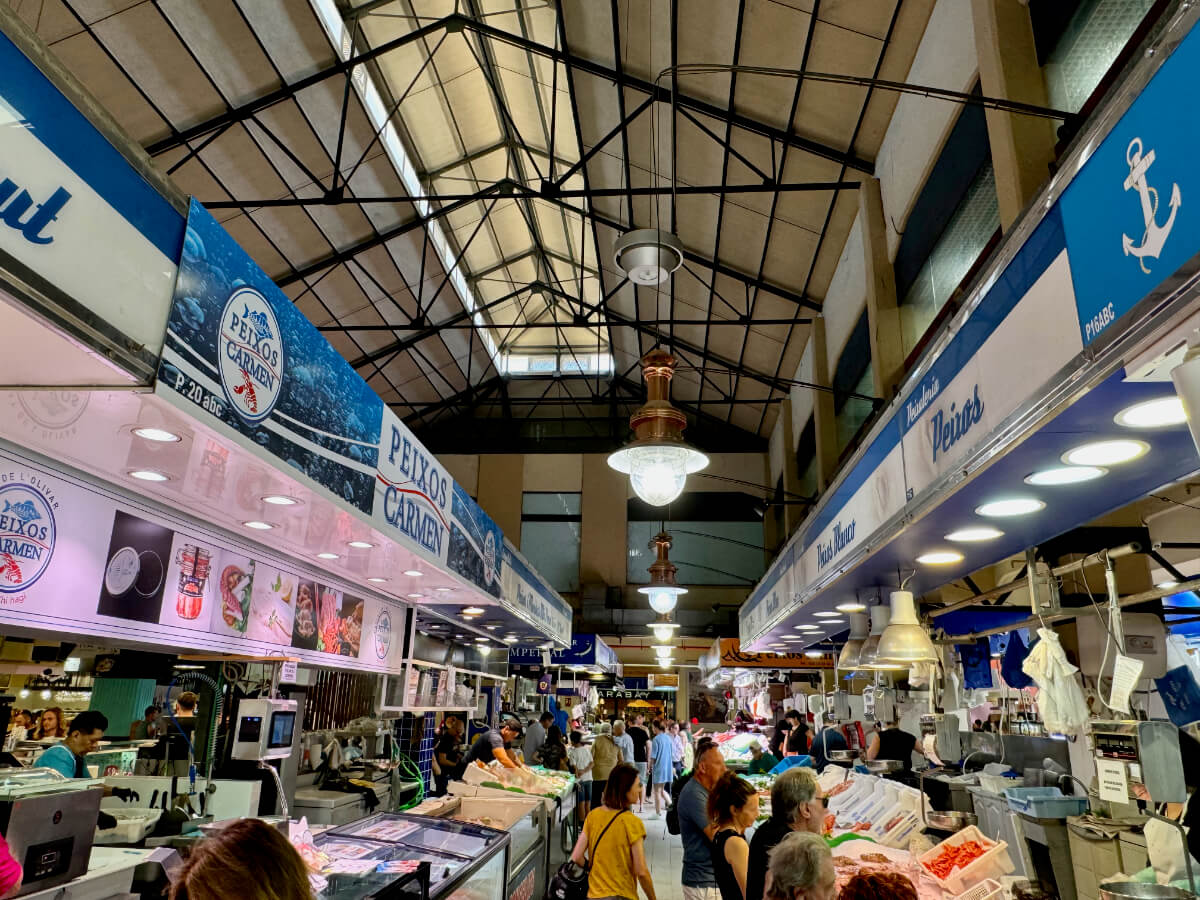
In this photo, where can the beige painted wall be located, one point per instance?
(501, 483)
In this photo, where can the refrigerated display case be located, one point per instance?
(527, 822)
(467, 862)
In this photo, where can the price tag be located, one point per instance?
(287, 674)
(1114, 783)
(1126, 673)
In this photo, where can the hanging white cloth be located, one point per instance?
(1060, 697)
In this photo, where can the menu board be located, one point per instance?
(75, 559)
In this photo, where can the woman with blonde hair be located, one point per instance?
(51, 724)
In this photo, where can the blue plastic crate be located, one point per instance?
(1044, 802)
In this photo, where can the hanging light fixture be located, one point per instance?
(860, 628)
(904, 640)
(657, 460)
(868, 657)
(663, 628)
(662, 592)
(663, 650)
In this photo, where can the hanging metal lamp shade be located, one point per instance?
(868, 658)
(663, 628)
(860, 628)
(662, 591)
(648, 256)
(657, 460)
(905, 640)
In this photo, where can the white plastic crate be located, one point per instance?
(993, 863)
(988, 889)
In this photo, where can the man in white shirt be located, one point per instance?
(623, 741)
(579, 755)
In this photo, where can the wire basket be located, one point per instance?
(988, 889)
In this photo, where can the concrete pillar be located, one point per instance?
(824, 422)
(603, 536)
(789, 471)
(501, 484)
(1022, 146)
(883, 313)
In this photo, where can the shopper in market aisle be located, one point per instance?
(448, 753)
(677, 745)
(51, 724)
(623, 741)
(605, 755)
(779, 736)
(801, 868)
(732, 808)
(797, 804)
(641, 741)
(893, 743)
(699, 882)
(661, 766)
(579, 755)
(535, 736)
(145, 728)
(614, 839)
(248, 859)
(553, 753)
(494, 744)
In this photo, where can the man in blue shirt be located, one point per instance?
(83, 737)
(699, 883)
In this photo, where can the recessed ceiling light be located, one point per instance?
(813, 654)
(472, 611)
(413, 573)
(360, 545)
(377, 580)
(975, 533)
(510, 639)
(1167, 584)
(1010, 506)
(940, 558)
(1153, 414)
(1106, 453)
(442, 590)
(851, 606)
(414, 596)
(258, 526)
(777, 644)
(280, 500)
(807, 627)
(327, 555)
(158, 435)
(492, 627)
(148, 475)
(827, 614)
(1065, 475)
(791, 638)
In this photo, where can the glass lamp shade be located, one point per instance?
(663, 650)
(662, 597)
(868, 657)
(904, 640)
(860, 628)
(658, 472)
(663, 630)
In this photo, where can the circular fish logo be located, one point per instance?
(250, 351)
(27, 534)
(383, 634)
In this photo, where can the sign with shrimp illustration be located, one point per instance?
(27, 534)
(251, 355)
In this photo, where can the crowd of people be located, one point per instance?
(26, 725)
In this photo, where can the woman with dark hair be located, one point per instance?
(871, 885)
(732, 808)
(797, 739)
(248, 859)
(614, 839)
(553, 753)
(779, 737)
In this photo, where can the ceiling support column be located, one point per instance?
(789, 471)
(883, 313)
(824, 415)
(1022, 146)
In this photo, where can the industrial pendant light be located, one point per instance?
(868, 657)
(657, 460)
(648, 256)
(662, 591)
(860, 628)
(663, 650)
(663, 628)
(904, 640)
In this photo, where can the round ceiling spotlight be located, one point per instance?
(648, 256)
(1158, 413)
(974, 533)
(1010, 506)
(1065, 475)
(1106, 453)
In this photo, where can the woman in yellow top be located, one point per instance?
(618, 854)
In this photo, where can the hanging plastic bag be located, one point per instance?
(1059, 696)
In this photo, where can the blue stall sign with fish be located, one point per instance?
(239, 351)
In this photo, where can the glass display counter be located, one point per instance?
(467, 862)
(527, 822)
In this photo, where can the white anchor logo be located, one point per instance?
(1155, 235)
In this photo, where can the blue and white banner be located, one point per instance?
(527, 594)
(413, 491)
(586, 650)
(476, 543)
(237, 350)
(1132, 213)
(76, 213)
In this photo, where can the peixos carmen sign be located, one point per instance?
(27, 531)
(250, 354)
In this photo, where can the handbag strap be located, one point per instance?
(587, 863)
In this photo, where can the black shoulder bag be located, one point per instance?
(570, 882)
